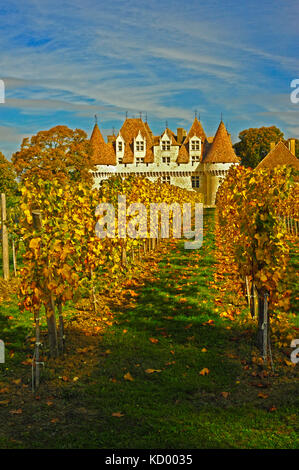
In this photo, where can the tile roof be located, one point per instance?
(279, 155)
(171, 136)
(196, 130)
(221, 149)
(129, 131)
(183, 156)
(103, 154)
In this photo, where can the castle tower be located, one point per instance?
(219, 158)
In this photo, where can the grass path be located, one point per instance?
(147, 387)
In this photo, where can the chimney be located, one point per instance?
(272, 145)
(292, 146)
(181, 133)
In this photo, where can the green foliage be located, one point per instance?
(255, 143)
(8, 183)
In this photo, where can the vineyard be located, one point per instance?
(136, 331)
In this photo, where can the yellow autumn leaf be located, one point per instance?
(151, 371)
(128, 376)
(204, 371)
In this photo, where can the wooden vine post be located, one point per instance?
(36, 217)
(5, 252)
(263, 324)
(14, 258)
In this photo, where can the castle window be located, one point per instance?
(139, 160)
(166, 160)
(195, 158)
(195, 181)
(166, 179)
(120, 146)
(139, 145)
(165, 144)
(195, 145)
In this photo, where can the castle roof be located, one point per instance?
(171, 136)
(103, 154)
(196, 130)
(129, 131)
(278, 156)
(221, 149)
(183, 156)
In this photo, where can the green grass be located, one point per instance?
(171, 409)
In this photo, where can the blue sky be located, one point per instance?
(64, 61)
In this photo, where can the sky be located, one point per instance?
(63, 62)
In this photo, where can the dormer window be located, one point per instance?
(119, 147)
(195, 145)
(139, 145)
(165, 144)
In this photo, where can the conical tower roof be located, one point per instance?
(96, 136)
(103, 154)
(196, 130)
(221, 150)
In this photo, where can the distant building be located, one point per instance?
(280, 155)
(188, 160)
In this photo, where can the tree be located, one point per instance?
(8, 184)
(59, 152)
(296, 146)
(255, 143)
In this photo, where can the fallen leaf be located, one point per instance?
(204, 371)
(16, 412)
(128, 376)
(4, 402)
(154, 340)
(17, 381)
(289, 363)
(262, 395)
(117, 415)
(75, 379)
(225, 394)
(204, 350)
(28, 362)
(151, 371)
